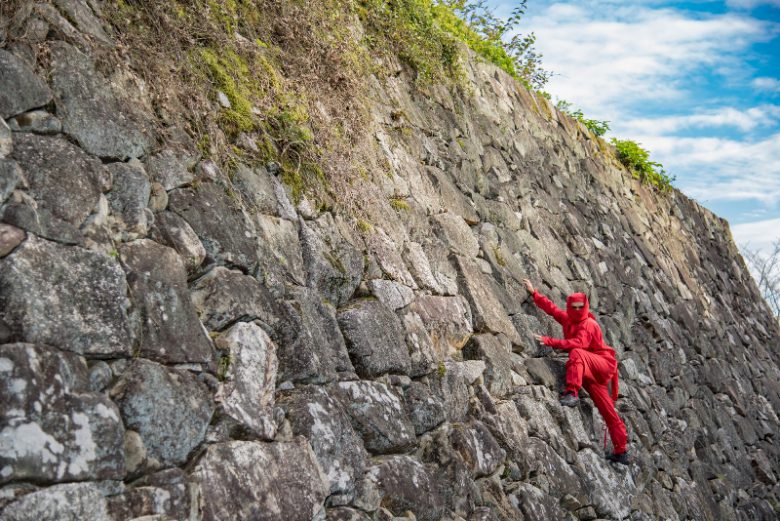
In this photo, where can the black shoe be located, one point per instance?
(569, 400)
(621, 458)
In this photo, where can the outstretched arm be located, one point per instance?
(580, 341)
(546, 304)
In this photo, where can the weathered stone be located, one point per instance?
(69, 502)
(609, 488)
(53, 429)
(311, 346)
(477, 447)
(10, 238)
(129, 195)
(170, 329)
(6, 140)
(545, 371)
(41, 222)
(220, 224)
(404, 484)
(378, 415)
(281, 258)
(535, 504)
(247, 392)
(263, 192)
(333, 266)
(388, 255)
(171, 230)
(10, 176)
(80, 13)
(422, 352)
(246, 481)
(91, 112)
(313, 413)
(420, 268)
(70, 185)
(448, 321)
(169, 409)
(489, 314)
(20, 88)
(224, 296)
(170, 168)
(426, 411)
(393, 295)
(456, 234)
(67, 297)
(375, 339)
(498, 362)
(157, 497)
(346, 514)
(37, 122)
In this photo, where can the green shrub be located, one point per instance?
(637, 160)
(599, 128)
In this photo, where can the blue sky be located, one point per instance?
(696, 83)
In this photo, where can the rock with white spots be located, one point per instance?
(52, 429)
(315, 414)
(69, 502)
(67, 297)
(248, 481)
(169, 410)
(477, 447)
(404, 484)
(378, 414)
(247, 393)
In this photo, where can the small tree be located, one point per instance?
(766, 271)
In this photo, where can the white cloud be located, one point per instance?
(743, 120)
(610, 56)
(768, 84)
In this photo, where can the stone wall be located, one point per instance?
(175, 349)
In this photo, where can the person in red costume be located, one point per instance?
(592, 363)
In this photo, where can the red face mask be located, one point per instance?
(577, 314)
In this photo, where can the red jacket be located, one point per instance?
(580, 329)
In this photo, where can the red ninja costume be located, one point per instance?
(592, 363)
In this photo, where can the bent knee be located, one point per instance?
(575, 355)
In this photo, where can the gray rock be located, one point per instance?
(535, 504)
(100, 376)
(160, 496)
(224, 296)
(333, 266)
(10, 238)
(53, 429)
(489, 314)
(129, 195)
(247, 393)
(170, 330)
(169, 409)
(6, 140)
(393, 295)
(257, 187)
(378, 414)
(477, 447)
(20, 88)
(37, 122)
(91, 111)
(61, 178)
(420, 268)
(447, 320)
(498, 362)
(171, 169)
(246, 481)
(375, 339)
(311, 347)
(456, 234)
(220, 224)
(281, 259)
(426, 410)
(10, 176)
(313, 413)
(346, 514)
(422, 352)
(41, 222)
(171, 230)
(407, 485)
(80, 13)
(69, 502)
(67, 297)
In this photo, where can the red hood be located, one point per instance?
(578, 315)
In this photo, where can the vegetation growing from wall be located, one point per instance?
(637, 160)
(599, 128)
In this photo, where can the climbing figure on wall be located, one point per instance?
(592, 363)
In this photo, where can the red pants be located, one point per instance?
(593, 372)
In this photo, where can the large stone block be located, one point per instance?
(249, 481)
(168, 409)
(69, 502)
(319, 417)
(219, 222)
(51, 428)
(477, 447)
(247, 392)
(170, 328)
(375, 339)
(496, 354)
(20, 88)
(129, 196)
(378, 414)
(171, 230)
(447, 320)
(68, 297)
(405, 484)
